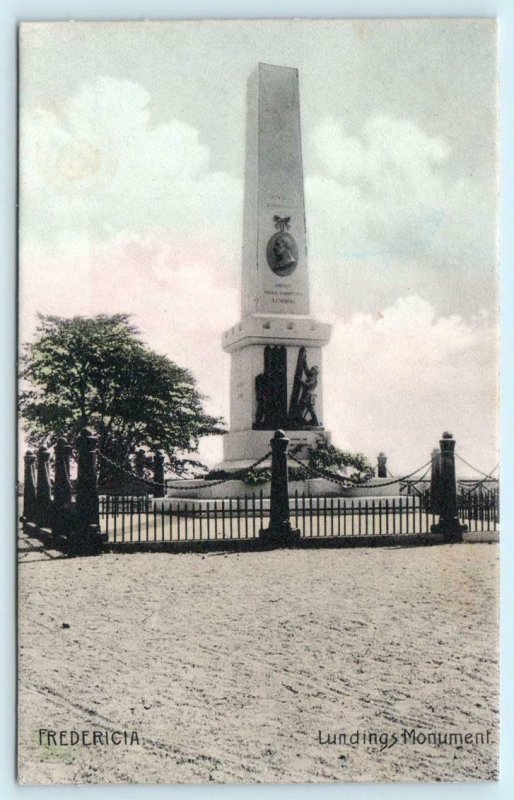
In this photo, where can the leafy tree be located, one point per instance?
(251, 476)
(96, 372)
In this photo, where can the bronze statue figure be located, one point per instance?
(271, 390)
(302, 413)
(307, 399)
(262, 397)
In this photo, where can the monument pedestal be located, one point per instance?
(293, 338)
(242, 448)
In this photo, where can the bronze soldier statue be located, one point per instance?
(307, 400)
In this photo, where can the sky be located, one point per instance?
(131, 194)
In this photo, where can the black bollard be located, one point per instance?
(448, 524)
(280, 533)
(381, 466)
(86, 506)
(62, 488)
(158, 473)
(43, 490)
(29, 488)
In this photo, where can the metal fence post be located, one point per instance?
(29, 488)
(87, 511)
(43, 490)
(280, 532)
(381, 465)
(62, 487)
(158, 473)
(448, 524)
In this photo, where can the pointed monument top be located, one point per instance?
(275, 276)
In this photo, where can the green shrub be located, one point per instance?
(325, 457)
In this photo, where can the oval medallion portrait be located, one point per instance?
(282, 253)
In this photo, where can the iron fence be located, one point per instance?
(143, 520)
(480, 511)
(77, 515)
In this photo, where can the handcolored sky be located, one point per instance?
(132, 165)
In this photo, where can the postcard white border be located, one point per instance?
(14, 11)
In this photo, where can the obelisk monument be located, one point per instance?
(276, 366)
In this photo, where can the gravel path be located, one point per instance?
(229, 665)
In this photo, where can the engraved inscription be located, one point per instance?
(282, 201)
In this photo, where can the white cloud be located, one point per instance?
(386, 145)
(396, 380)
(385, 187)
(386, 214)
(94, 166)
(119, 215)
(181, 298)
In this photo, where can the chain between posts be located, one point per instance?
(480, 483)
(406, 477)
(321, 473)
(487, 476)
(233, 476)
(342, 481)
(131, 474)
(415, 483)
(205, 485)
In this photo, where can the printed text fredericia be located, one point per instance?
(86, 738)
(385, 740)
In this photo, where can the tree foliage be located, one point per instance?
(326, 457)
(96, 372)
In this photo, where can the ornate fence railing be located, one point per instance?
(139, 521)
(79, 517)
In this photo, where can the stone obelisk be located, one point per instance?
(276, 367)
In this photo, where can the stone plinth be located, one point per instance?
(315, 487)
(242, 448)
(262, 329)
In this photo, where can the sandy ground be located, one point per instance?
(229, 665)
